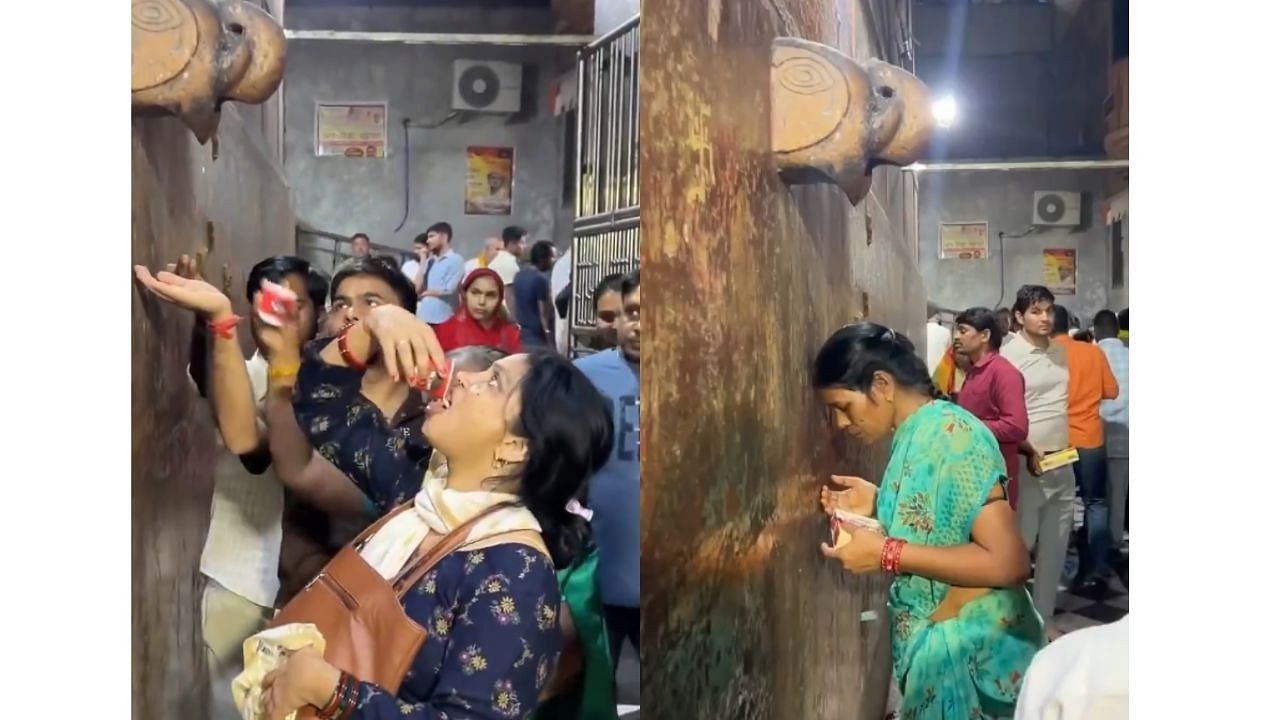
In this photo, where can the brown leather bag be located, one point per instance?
(359, 613)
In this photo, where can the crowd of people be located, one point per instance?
(500, 513)
(1009, 415)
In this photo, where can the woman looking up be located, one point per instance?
(964, 628)
(519, 441)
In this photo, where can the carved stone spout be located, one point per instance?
(835, 119)
(190, 56)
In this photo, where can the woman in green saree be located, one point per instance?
(586, 693)
(964, 629)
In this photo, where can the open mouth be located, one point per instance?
(441, 402)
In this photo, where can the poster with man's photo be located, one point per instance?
(489, 173)
(1060, 271)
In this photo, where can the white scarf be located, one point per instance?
(437, 509)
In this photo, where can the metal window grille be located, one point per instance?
(606, 228)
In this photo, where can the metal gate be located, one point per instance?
(606, 226)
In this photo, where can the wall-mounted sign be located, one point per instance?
(962, 241)
(489, 174)
(1060, 271)
(351, 130)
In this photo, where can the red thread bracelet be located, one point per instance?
(225, 328)
(345, 351)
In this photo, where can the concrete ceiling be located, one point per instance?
(572, 16)
(423, 3)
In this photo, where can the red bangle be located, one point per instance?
(342, 702)
(891, 555)
(345, 351)
(225, 328)
(352, 698)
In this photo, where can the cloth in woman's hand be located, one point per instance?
(859, 521)
(842, 518)
(263, 653)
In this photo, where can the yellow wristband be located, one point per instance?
(283, 372)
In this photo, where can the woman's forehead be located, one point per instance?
(835, 395)
(512, 367)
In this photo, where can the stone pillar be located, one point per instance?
(743, 617)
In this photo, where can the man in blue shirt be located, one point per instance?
(1115, 421)
(532, 296)
(439, 274)
(614, 492)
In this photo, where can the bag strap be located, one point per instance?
(410, 576)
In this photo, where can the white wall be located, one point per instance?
(368, 195)
(1004, 200)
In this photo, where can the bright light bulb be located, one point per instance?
(945, 111)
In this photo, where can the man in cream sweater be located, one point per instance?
(1084, 675)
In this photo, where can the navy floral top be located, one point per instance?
(492, 615)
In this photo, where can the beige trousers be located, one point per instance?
(227, 620)
(1045, 511)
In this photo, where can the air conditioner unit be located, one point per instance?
(1056, 209)
(492, 87)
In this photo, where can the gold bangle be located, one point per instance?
(283, 372)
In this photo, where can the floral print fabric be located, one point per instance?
(943, 465)
(386, 457)
(492, 639)
(491, 615)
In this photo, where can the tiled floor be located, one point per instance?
(628, 684)
(1107, 605)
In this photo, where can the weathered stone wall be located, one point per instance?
(742, 616)
(178, 189)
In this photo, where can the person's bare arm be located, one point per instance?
(546, 312)
(303, 470)
(548, 322)
(996, 556)
(231, 396)
(404, 344)
(230, 392)
(420, 280)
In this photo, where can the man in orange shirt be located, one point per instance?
(1089, 382)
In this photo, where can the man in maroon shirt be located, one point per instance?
(993, 389)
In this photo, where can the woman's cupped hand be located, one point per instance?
(180, 284)
(305, 678)
(857, 496)
(860, 554)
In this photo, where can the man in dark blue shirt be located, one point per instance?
(614, 493)
(532, 291)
